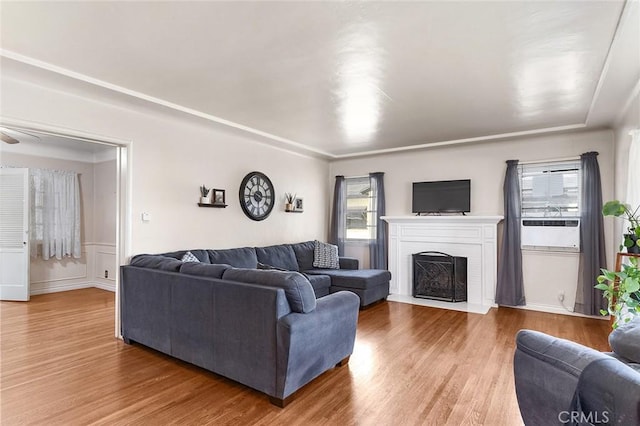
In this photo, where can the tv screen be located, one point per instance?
(445, 196)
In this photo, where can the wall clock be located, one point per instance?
(257, 196)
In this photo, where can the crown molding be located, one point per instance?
(190, 111)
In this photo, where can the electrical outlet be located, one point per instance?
(561, 296)
(106, 273)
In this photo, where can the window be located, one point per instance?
(55, 214)
(550, 205)
(361, 215)
(550, 189)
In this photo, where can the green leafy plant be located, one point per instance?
(622, 291)
(619, 209)
(204, 191)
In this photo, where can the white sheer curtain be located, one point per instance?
(55, 213)
(633, 180)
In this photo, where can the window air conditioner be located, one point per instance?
(551, 232)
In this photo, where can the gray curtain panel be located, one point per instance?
(338, 214)
(378, 246)
(510, 288)
(589, 300)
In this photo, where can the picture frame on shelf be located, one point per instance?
(218, 198)
(298, 205)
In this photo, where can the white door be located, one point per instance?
(14, 234)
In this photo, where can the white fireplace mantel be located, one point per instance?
(473, 237)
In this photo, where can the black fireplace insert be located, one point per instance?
(439, 276)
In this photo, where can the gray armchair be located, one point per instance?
(559, 382)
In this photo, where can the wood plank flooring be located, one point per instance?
(61, 365)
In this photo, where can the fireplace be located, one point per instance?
(439, 276)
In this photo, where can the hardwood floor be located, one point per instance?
(412, 365)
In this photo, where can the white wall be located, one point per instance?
(545, 273)
(171, 158)
(629, 120)
(105, 265)
(104, 201)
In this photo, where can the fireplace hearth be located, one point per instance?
(439, 276)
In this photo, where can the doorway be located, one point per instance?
(42, 141)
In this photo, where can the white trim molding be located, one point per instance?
(54, 275)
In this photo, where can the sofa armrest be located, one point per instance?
(546, 371)
(312, 343)
(349, 263)
(608, 392)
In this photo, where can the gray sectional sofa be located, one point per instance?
(272, 329)
(371, 285)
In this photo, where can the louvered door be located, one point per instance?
(14, 234)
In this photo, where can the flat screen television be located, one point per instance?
(444, 196)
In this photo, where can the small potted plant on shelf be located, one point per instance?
(619, 209)
(622, 291)
(204, 195)
(289, 198)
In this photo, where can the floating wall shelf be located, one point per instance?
(220, 206)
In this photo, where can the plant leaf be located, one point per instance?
(632, 285)
(628, 242)
(613, 208)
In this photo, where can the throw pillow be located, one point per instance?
(625, 340)
(325, 256)
(189, 257)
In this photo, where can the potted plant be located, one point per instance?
(204, 195)
(619, 209)
(622, 291)
(289, 198)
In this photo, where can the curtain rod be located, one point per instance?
(552, 160)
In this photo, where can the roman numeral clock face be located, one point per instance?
(257, 196)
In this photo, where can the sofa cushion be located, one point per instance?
(244, 257)
(201, 255)
(320, 284)
(304, 254)
(354, 278)
(280, 256)
(625, 340)
(203, 269)
(349, 263)
(189, 257)
(156, 261)
(297, 288)
(269, 267)
(325, 256)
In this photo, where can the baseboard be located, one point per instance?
(556, 310)
(105, 286)
(55, 287)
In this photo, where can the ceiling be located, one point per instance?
(337, 79)
(32, 142)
